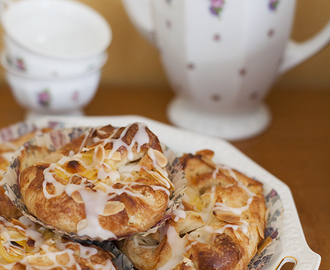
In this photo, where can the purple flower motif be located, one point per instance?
(273, 4)
(44, 98)
(75, 96)
(20, 64)
(216, 6)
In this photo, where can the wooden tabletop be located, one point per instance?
(295, 148)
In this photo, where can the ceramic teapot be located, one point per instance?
(222, 57)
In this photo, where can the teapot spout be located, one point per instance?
(141, 14)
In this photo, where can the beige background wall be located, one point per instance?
(133, 61)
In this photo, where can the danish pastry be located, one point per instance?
(218, 225)
(24, 245)
(107, 184)
(7, 150)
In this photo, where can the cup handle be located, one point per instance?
(297, 52)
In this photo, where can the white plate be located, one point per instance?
(292, 248)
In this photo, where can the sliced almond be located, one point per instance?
(226, 216)
(209, 162)
(113, 207)
(16, 251)
(98, 156)
(39, 260)
(164, 175)
(116, 156)
(106, 168)
(4, 237)
(15, 235)
(63, 259)
(100, 187)
(158, 156)
(81, 224)
(77, 197)
(265, 243)
(18, 223)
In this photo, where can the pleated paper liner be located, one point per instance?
(17, 130)
(43, 145)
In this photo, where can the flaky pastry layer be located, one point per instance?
(107, 184)
(7, 151)
(25, 245)
(219, 224)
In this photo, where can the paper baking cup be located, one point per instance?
(41, 146)
(274, 228)
(19, 129)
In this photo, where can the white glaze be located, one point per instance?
(40, 245)
(108, 173)
(237, 211)
(177, 245)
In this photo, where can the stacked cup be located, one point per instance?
(53, 54)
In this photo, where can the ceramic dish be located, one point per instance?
(291, 247)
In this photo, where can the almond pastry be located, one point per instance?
(219, 224)
(107, 184)
(25, 245)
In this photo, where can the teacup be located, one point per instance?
(33, 64)
(54, 37)
(52, 96)
(222, 57)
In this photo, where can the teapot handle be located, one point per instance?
(141, 14)
(297, 52)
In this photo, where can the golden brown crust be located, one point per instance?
(219, 225)
(7, 208)
(118, 167)
(7, 150)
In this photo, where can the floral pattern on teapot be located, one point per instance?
(216, 7)
(44, 98)
(273, 4)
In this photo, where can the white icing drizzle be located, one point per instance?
(96, 202)
(177, 245)
(237, 211)
(70, 188)
(113, 175)
(49, 179)
(244, 226)
(161, 188)
(233, 175)
(141, 138)
(190, 246)
(107, 174)
(179, 213)
(42, 248)
(201, 234)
